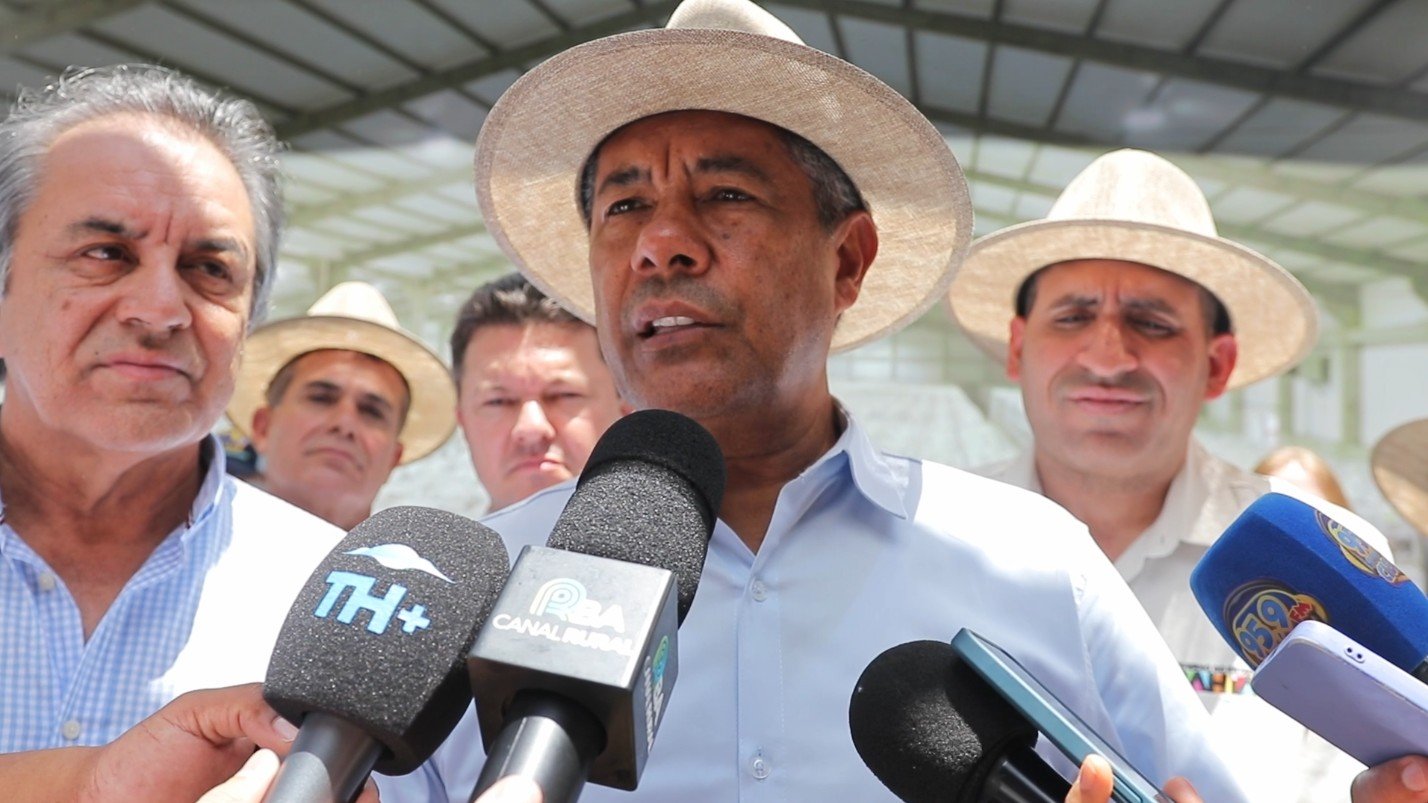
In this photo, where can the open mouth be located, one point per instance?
(668, 324)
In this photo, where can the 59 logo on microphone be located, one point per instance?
(1261, 613)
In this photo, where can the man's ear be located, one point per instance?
(857, 247)
(396, 457)
(262, 419)
(1224, 351)
(1017, 330)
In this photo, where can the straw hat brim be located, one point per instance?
(1274, 318)
(431, 417)
(537, 137)
(1400, 468)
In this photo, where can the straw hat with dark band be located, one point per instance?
(1135, 206)
(353, 316)
(1400, 467)
(730, 56)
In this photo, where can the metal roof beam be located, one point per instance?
(462, 74)
(347, 203)
(48, 19)
(1353, 95)
(1231, 170)
(417, 243)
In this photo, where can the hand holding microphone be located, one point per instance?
(1283, 562)
(369, 662)
(940, 723)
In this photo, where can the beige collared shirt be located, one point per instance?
(1275, 758)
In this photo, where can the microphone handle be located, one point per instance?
(548, 738)
(1022, 776)
(329, 760)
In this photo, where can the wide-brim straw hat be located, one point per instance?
(729, 56)
(1400, 467)
(353, 316)
(1135, 206)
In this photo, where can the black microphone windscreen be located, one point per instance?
(378, 635)
(925, 722)
(650, 494)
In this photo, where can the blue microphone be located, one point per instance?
(1284, 561)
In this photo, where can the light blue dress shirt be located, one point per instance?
(866, 551)
(202, 611)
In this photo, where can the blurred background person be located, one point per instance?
(534, 391)
(1399, 462)
(336, 399)
(1305, 469)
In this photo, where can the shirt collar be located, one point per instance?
(873, 476)
(214, 464)
(1190, 514)
(1019, 471)
(211, 461)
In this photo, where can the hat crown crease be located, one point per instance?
(731, 15)
(1136, 187)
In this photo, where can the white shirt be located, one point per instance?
(1274, 757)
(866, 551)
(202, 611)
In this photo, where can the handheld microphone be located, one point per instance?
(1283, 562)
(580, 653)
(933, 731)
(368, 663)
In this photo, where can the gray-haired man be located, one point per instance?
(139, 219)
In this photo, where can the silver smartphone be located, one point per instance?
(1058, 724)
(1355, 699)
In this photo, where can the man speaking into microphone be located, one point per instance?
(747, 205)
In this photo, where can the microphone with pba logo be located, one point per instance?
(572, 670)
(369, 663)
(1283, 562)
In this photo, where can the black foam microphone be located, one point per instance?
(573, 668)
(933, 731)
(369, 664)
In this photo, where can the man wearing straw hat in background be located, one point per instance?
(1120, 315)
(336, 399)
(729, 189)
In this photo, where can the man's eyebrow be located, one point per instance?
(379, 400)
(322, 384)
(102, 225)
(1075, 300)
(1081, 300)
(623, 177)
(217, 245)
(729, 163)
(222, 245)
(1151, 305)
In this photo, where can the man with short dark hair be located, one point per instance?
(721, 269)
(534, 394)
(139, 219)
(1120, 315)
(336, 399)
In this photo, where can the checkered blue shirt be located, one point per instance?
(202, 611)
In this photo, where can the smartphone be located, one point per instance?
(1058, 724)
(1355, 699)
